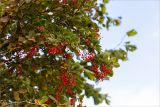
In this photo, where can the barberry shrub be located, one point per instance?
(50, 49)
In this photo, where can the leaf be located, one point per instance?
(132, 32)
(117, 22)
(89, 75)
(36, 101)
(16, 96)
(107, 101)
(22, 91)
(105, 1)
(131, 48)
(22, 39)
(103, 9)
(44, 99)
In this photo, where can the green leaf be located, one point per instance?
(105, 1)
(132, 32)
(131, 48)
(44, 99)
(116, 64)
(89, 75)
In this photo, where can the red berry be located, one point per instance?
(64, 79)
(19, 73)
(90, 57)
(32, 51)
(57, 96)
(94, 68)
(103, 68)
(48, 101)
(109, 72)
(41, 28)
(72, 82)
(88, 42)
(68, 91)
(79, 105)
(52, 50)
(68, 56)
(72, 101)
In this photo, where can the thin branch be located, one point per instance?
(23, 102)
(120, 42)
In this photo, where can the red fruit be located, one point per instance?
(64, 79)
(109, 71)
(90, 57)
(57, 97)
(97, 75)
(52, 50)
(79, 105)
(78, 52)
(103, 68)
(94, 68)
(88, 42)
(102, 76)
(41, 28)
(72, 82)
(68, 56)
(48, 101)
(72, 101)
(60, 88)
(19, 73)
(68, 91)
(32, 51)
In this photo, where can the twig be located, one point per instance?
(120, 42)
(23, 102)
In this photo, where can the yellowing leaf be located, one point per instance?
(132, 32)
(16, 96)
(36, 101)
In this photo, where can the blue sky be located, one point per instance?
(136, 82)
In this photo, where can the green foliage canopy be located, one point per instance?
(50, 49)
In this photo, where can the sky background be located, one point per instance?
(136, 82)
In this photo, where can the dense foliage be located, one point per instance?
(50, 49)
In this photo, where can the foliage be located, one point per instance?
(50, 49)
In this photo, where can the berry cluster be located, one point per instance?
(40, 28)
(56, 49)
(87, 56)
(32, 51)
(68, 56)
(53, 50)
(67, 83)
(88, 42)
(104, 71)
(94, 69)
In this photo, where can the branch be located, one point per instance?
(120, 42)
(23, 102)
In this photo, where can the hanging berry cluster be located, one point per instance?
(102, 73)
(59, 49)
(32, 51)
(87, 56)
(67, 84)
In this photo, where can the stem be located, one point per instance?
(120, 42)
